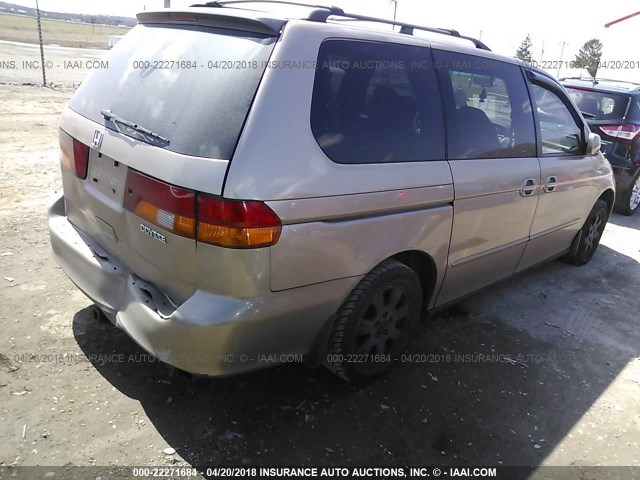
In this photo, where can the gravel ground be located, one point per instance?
(569, 396)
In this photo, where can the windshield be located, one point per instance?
(191, 86)
(600, 105)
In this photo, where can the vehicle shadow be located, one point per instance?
(498, 380)
(625, 221)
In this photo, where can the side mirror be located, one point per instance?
(593, 144)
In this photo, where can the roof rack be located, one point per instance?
(321, 13)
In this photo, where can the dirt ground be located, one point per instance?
(568, 397)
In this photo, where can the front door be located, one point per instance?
(567, 193)
(496, 174)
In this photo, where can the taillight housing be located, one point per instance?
(236, 223)
(623, 132)
(206, 218)
(169, 207)
(74, 155)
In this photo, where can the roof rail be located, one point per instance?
(598, 80)
(322, 13)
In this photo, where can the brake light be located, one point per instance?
(624, 132)
(74, 155)
(182, 17)
(219, 221)
(171, 208)
(236, 223)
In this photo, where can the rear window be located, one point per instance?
(600, 105)
(190, 85)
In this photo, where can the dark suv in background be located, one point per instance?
(612, 110)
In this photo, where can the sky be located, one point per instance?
(501, 24)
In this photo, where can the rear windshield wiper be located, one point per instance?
(109, 115)
(587, 114)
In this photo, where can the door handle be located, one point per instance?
(552, 183)
(528, 187)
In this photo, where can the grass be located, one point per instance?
(67, 34)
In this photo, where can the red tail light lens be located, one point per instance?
(171, 208)
(74, 155)
(624, 132)
(182, 17)
(236, 223)
(221, 222)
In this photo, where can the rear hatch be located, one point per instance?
(145, 137)
(612, 116)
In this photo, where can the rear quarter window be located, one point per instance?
(376, 103)
(193, 86)
(634, 110)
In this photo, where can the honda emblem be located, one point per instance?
(97, 138)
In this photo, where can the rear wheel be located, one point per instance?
(98, 315)
(628, 202)
(375, 323)
(590, 234)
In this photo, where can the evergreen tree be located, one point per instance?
(589, 56)
(524, 51)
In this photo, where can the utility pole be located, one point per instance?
(395, 8)
(44, 75)
(561, 53)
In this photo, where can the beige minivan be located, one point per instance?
(243, 189)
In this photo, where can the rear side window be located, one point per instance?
(174, 82)
(634, 110)
(559, 132)
(488, 110)
(600, 105)
(376, 103)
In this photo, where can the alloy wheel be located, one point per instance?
(384, 321)
(634, 198)
(594, 232)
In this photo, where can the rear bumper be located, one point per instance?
(208, 334)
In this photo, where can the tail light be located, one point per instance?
(74, 155)
(218, 221)
(624, 132)
(236, 223)
(160, 203)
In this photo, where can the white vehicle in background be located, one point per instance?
(114, 39)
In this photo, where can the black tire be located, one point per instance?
(98, 315)
(628, 201)
(590, 234)
(375, 323)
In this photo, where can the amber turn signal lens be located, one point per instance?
(169, 207)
